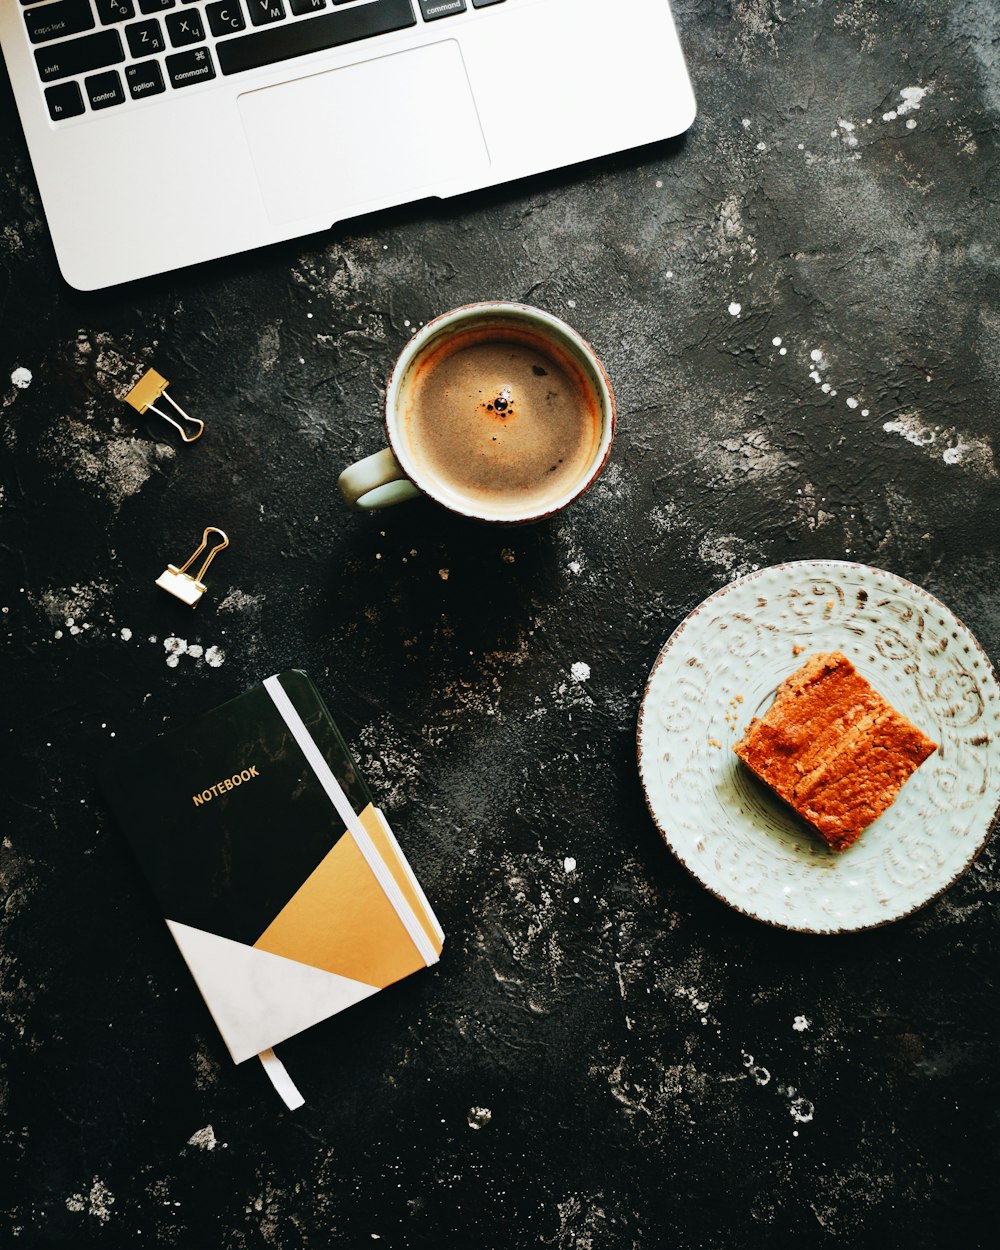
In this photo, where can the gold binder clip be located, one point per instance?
(147, 390)
(179, 583)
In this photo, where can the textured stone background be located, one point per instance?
(620, 1071)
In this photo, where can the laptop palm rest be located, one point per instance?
(380, 132)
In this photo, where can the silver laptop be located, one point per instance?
(166, 132)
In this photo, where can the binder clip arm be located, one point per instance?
(179, 583)
(153, 386)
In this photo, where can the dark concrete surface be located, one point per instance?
(607, 1057)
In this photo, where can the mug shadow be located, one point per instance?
(433, 602)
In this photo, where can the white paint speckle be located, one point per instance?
(126, 634)
(746, 123)
(800, 1024)
(97, 1203)
(816, 354)
(575, 567)
(913, 430)
(21, 378)
(782, 351)
(580, 671)
(658, 184)
(800, 1109)
(735, 309)
(571, 303)
(175, 648)
(851, 402)
(760, 1075)
(911, 123)
(204, 1139)
(911, 99)
(479, 1117)
(569, 864)
(776, 341)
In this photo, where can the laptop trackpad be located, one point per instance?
(366, 136)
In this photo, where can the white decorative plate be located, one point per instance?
(722, 666)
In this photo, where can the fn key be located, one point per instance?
(64, 100)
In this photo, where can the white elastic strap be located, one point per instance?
(410, 874)
(347, 814)
(280, 1079)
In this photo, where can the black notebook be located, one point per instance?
(279, 878)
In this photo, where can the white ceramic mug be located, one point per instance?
(392, 475)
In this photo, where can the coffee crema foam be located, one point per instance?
(503, 417)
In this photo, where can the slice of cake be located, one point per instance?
(833, 749)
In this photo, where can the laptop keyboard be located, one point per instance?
(98, 54)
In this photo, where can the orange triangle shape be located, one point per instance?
(340, 919)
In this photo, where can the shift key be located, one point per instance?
(79, 56)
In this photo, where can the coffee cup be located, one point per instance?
(497, 411)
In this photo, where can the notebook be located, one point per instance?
(280, 880)
(166, 132)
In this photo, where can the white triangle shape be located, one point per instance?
(258, 999)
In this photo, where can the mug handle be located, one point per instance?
(376, 482)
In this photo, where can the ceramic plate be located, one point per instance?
(722, 666)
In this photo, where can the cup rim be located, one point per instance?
(419, 341)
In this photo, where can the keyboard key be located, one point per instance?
(144, 78)
(433, 9)
(226, 17)
(263, 12)
(185, 68)
(184, 29)
(110, 11)
(155, 6)
(64, 100)
(105, 90)
(66, 17)
(80, 56)
(145, 38)
(301, 7)
(328, 30)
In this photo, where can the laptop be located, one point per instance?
(168, 132)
